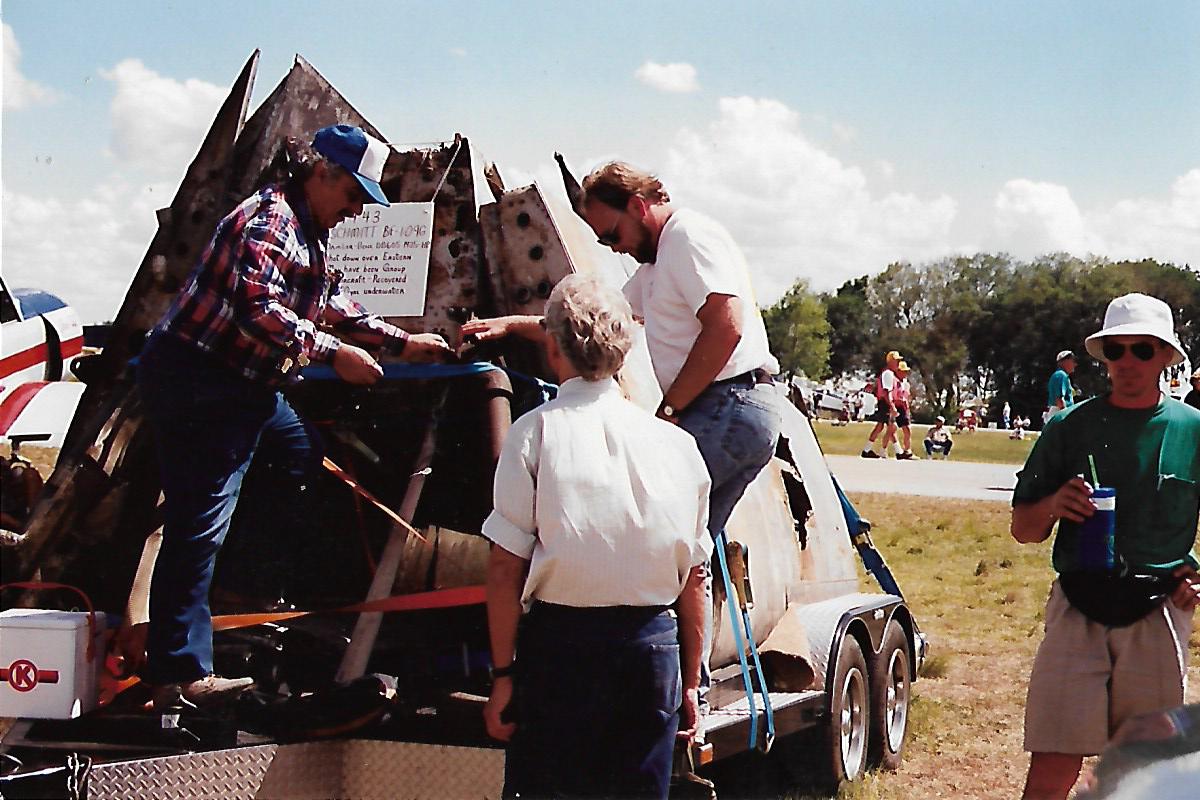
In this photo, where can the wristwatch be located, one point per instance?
(503, 672)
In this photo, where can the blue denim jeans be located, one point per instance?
(208, 423)
(597, 697)
(736, 426)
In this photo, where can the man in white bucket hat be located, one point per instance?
(1117, 626)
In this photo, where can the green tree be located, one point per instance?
(852, 328)
(798, 332)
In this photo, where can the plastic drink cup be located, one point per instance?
(1097, 546)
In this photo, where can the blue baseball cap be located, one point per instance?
(361, 155)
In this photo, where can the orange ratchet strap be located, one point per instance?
(441, 598)
(362, 491)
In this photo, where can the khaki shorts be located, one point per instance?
(1088, 678)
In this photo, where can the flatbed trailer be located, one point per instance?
(835, 660)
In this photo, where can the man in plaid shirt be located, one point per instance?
(243, 326)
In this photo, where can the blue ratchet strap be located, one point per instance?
(860, 537)
(403, 371)
(769, 739)
(730, 600)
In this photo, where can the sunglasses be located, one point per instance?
(612, 237)
(1114, 351)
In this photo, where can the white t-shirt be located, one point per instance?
(887, 383)
(609, 503)
(696, 257)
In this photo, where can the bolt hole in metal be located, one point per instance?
(536, 253)
(522, 295)
(523, 220)
(543, 289)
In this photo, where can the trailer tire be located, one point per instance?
(891, 695)
(849, 725)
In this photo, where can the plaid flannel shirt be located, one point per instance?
(261, 288)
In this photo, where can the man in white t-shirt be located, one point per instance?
(706, 337)
(885, 408)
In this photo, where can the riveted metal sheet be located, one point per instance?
(220, 775)
(362, 769)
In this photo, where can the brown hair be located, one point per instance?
(615, 182)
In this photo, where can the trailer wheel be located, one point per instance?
(891, 682)
(849, 713)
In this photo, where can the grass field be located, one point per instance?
(983, 446)
(979, 596)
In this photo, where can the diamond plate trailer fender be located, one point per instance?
(364, 769)
(862, 615)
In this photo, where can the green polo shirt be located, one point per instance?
(1157, 477)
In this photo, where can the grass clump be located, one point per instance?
(982, 446)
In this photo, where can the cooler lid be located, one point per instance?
(46, 619)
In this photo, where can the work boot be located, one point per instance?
(870, 454)
(208, 691)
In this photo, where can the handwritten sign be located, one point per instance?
(383, 255)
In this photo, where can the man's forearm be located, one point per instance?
(708, 357)
(1032, 522)
(690, 610)
(720, 331)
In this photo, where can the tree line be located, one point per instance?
(985, 326)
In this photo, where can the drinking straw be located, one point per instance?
(1092, 464)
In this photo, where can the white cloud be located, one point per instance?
(1036, 217)
(797, 210)
(679, 77)
(19, 91)
(158, 123)
(458, 52)
(99, 240)
(101, 234)
(1168, 230)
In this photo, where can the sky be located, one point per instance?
(831, 138)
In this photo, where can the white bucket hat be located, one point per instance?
(1137, 315)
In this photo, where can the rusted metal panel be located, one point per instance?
(526, 254)
(443, 174)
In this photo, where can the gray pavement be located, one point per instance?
(919, 476)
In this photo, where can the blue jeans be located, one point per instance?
(597, 697)
(736, 426)
(208, 423)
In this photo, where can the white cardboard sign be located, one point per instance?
(383, 255)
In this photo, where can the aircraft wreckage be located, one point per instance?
(365, 628)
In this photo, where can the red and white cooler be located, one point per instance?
(45, 672)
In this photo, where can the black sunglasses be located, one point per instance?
(612, 237)
(1113, 351)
